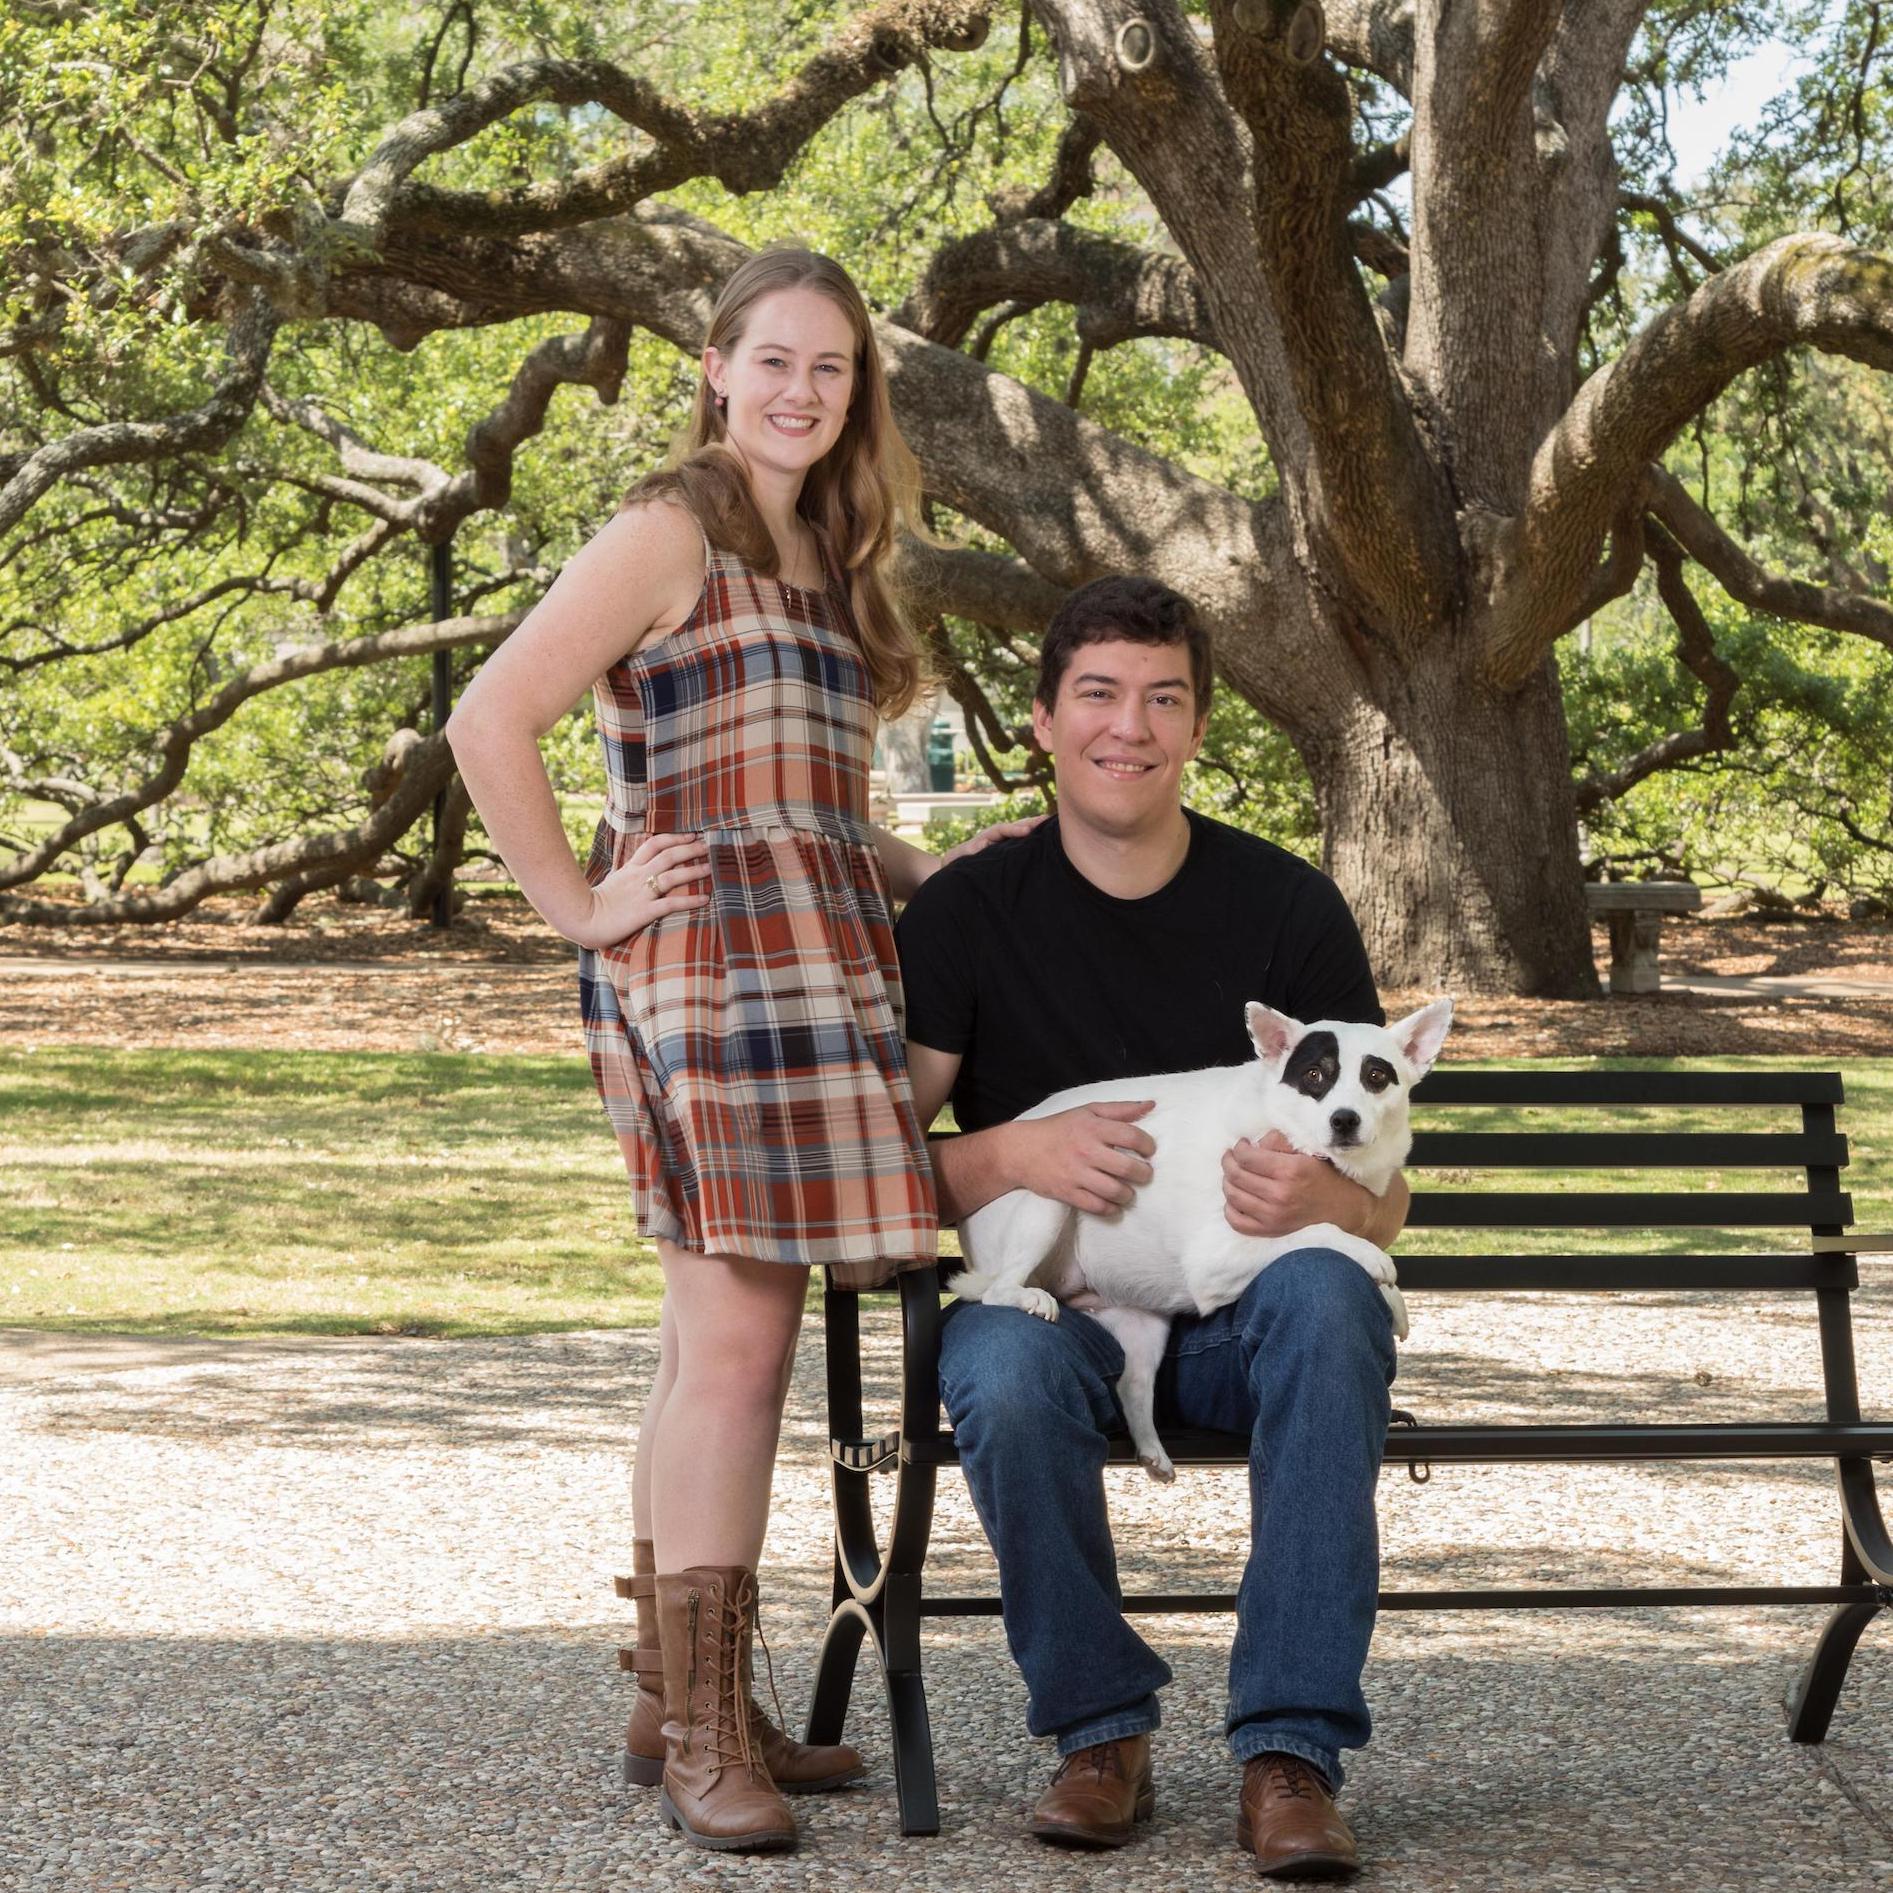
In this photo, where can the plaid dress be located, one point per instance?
(749, 1052)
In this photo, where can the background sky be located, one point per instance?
(1699, 128)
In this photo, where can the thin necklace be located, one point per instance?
(794, 563)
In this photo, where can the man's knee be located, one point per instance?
(1001, 1369)
(1319, 1295)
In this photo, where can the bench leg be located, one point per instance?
(876, 1593)
(834, 1677)
(1866, 1556)
(1811, 1707)
(1633, 944)
(915, 1788)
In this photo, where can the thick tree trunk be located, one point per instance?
(1450, 825)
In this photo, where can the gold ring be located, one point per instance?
(650, 881)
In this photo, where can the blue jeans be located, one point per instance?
(1301, 1364)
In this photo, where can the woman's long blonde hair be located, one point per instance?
(857, 497)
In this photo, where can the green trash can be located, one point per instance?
(940, 756)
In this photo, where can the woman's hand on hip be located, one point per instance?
(665, 874)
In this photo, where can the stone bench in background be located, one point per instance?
(1634, 911)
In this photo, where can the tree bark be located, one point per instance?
(1456, 847)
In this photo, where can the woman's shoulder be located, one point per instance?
(658, 523)
(652, 549)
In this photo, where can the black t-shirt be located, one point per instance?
(1040, 980)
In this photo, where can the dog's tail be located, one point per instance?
(970, 1284)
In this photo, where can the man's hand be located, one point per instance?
(1092, 1156)
(1270, 1189)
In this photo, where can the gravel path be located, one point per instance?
(336, 1615)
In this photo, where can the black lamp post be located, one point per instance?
(440, 573)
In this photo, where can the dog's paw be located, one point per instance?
(1397, 1307)
(1035, 1301)
(1159, 1466)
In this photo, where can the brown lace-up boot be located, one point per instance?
(644, 1735)
(716, 1791)
(1288, 1820)
(793, 1766)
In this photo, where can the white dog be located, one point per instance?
(1333, 1090)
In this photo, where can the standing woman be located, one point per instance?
(740, 990)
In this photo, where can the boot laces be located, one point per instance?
(726, 1737)
(755, 1714)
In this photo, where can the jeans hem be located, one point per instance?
(1259, 1739)
(1117, 1727)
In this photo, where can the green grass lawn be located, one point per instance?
(372, 1193)
(304, 1192)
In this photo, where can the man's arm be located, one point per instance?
(1092, 1156)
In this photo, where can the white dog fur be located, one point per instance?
(1333, 1090)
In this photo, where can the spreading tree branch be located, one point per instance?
(986, 587)
(290, 664)
(250, 332)
(1696, 651)
(1118, 290)
(743, 151)
(1374, 36)
(1748, 583)
(429, 765)
(1071, 179)
(1800, 291)
(1386, 509)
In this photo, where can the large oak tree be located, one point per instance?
(1399, 223)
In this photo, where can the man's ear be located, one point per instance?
(1042, 725)
(1273, 1033)
(1196, 739)
(1420, 1034)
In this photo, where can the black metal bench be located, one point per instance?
(878, 1594)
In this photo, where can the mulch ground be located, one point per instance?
(349, 978)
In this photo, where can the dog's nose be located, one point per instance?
(1346, 1123)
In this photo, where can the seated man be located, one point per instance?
(1123, 937)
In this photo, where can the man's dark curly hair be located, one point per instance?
(1136, 609)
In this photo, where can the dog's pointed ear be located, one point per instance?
(1273, 1033)
(1420, 1034)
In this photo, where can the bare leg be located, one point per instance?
(643, 1457)
(713, 1448)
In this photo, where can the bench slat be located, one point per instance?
(1500, 1274)
(1454, 1085)
(1627, 1209)
(1599, 1150)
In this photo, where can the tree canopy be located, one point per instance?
(1386, 331)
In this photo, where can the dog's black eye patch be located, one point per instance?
(1377, 1074)
(1314, 1065)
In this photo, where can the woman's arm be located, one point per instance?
(638, 577)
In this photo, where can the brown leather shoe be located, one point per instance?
(716, 1791)
(1098, 1795)
(1288, 1820)
(793, 1766)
